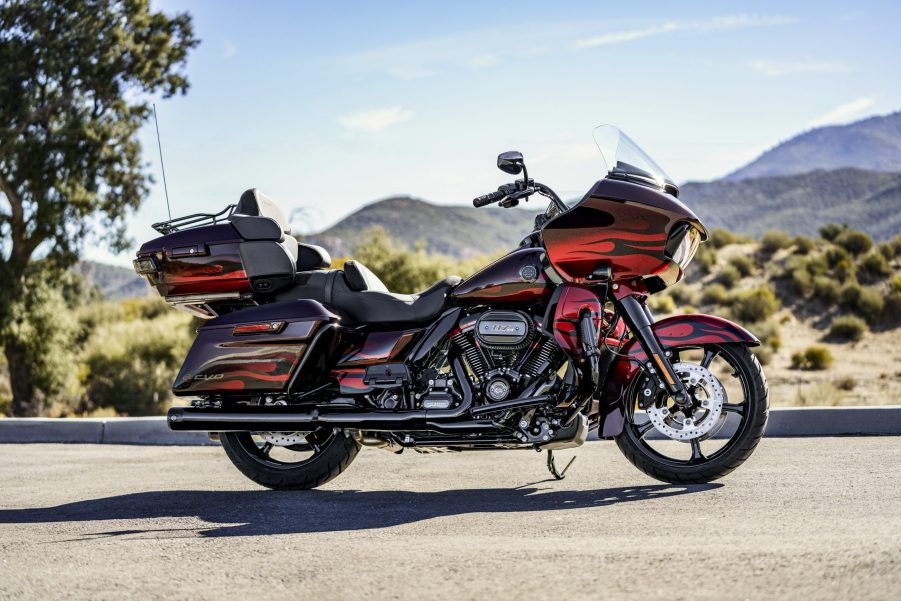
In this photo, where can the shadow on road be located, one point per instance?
(254, 513)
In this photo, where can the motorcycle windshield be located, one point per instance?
(624, 159)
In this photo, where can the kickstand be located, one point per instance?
(552, 467)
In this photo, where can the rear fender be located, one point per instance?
(679, 330)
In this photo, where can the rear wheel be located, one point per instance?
(680, 445)
(291, 460)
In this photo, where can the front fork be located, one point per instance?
(640, 322)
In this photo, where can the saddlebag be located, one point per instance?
(259, 350)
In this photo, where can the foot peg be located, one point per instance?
(552, 467)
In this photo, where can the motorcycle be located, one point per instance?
(299, 366)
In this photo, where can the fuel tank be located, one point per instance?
(517, 278)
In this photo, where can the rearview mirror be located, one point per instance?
(510, 162)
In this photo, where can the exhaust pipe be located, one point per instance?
(287, 419)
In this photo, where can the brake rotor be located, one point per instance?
(704, 418)
(283, 439)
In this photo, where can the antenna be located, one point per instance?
(162, 166)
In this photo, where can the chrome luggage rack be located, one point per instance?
(191, 221)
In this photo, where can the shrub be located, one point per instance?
(830, 231)
(728, 276)
(885, 249)
(896, 245)
(768, 333)
(892, 309)
(821, 394)
(764, 354)
(826, 289)
(846, 383)
(835, 255)
(848, 327)
(756, 304)
(802, 282)
(812, 358)
(714, 294)
(742, 264)
(720, 238)
(850, 294)
(870, 303)
(896, 283)
(875, 265)
(130, 365)
(854, 241)
(662, 303)
(803, 245)
(705, 258)
(774, 240)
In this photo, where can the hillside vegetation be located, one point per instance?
(801, 204)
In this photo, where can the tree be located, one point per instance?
(75, 76)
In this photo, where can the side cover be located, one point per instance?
(679, 330)
(257, 350)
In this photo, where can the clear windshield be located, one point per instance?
(623, 159)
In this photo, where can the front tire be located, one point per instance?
(321, 457)
(703, 467)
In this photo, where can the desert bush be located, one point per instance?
(803, 245)
(854, 241)
(662, 303)
(875, 265)
(756, 304)
(847, 383)
(743, 264)
(683, 294)
(764, 354)
(768, 332)
(885, 249)
(823, 394)
(714, 294)
(830, 231)
(870, 303)
(130, 365)
(826, 289)
(896, 284)
(847, 327)
(705, 258)
(774, 240)
(892, 309)
(835, 255)
(850, 293)
(896, 245)
(720, 238)
(812, 358)
(728, 276)
(802, 281)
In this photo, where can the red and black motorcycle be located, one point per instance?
(300, 365)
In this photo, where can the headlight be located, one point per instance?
(683, 244)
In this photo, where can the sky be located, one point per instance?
(329, 106)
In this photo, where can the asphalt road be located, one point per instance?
(812, 518)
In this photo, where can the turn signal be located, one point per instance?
(269, 327)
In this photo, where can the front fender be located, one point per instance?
(679, 330)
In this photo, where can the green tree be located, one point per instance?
(75, 76)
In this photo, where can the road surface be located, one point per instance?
(815, 518)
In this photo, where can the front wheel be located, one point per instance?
(679, 445)
(291, 460)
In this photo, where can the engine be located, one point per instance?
(505, 351)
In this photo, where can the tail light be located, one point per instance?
(266, 327)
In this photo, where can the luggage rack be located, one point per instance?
(191, 221)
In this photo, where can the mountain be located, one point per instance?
(873, 144)
(459, 231)
(800, 204)
(115, 283)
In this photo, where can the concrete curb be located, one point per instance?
(783, 423)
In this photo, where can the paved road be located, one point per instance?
(803, 519)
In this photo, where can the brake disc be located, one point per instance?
(706, 416)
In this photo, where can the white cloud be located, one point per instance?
(780, 68)
(844, 112)
(375, 120)
(740, 21)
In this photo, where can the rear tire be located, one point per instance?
(732, 455)
(327, 463)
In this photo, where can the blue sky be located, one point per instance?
(329, 106)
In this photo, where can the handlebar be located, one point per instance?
(487, 199)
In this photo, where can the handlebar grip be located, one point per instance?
(487, 199)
